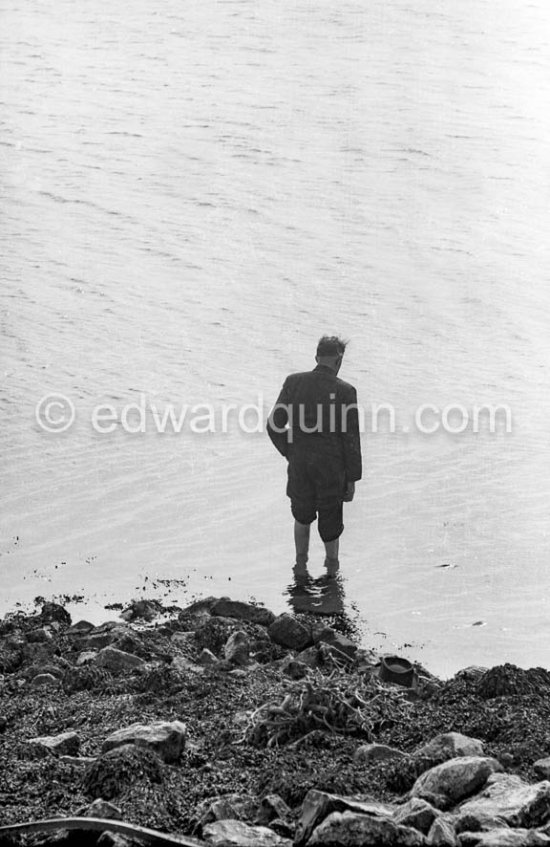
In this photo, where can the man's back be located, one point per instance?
(315, 426)
(321, 413)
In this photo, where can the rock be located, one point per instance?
(3, 723)
(85, 657)
(282, 827)
(318, 805)
(35, 636)
(454, 780)
(342, 647)
(206, 657)
(450, 745)
(294, 669)
(54, 612)
(506, 801)
(146, 610)
(118, 770)
(288, 632)
(310, 657)
(349, 829)
(504, 838)
(233, 833)
(237, 648)
(228, 807)
(507, 679)
(80, 628)
(473, 673)
(226, 608)
(66, 743)
(442, 833)
(416, 813)
(542, 768)
(166, 738)
(98, 640)
(271, 808)
(130, 642)
(43, 679)
(101, 809)
(117, 660)
(377, 753)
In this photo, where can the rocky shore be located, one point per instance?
(222, 724)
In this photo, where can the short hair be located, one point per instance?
(331, 345)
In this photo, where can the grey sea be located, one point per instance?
(193, 192)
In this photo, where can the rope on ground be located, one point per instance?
(140, 833)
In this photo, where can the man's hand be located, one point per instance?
(349, 492)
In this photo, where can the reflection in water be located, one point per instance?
(323, 595)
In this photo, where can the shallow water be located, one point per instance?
(192, 197)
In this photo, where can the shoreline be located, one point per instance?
(250, 720)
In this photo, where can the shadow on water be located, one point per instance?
(322, 596)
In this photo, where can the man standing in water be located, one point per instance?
(315, 426)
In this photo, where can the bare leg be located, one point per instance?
(301, 540)
(331, 550)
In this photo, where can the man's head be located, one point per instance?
(330, 351)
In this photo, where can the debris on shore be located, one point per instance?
(223, 724)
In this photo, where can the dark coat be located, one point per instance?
(316, 413)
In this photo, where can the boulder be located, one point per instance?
(233, 833)
(506, 801)
(318, 805)
(64, 744)
(80, 628)
(146, 610)
(454, 780)
(505, 838)
(349, 829)
(54, 612)
(206, 657)
(450, 745)
(506, 680)
(117, 660)
(226, 608)
(294, 668)
(542, 768)
(310, 657)
(228, 807)
(101, 809)
(442, 833)
(416, 813)
(368, 753)
(288, 632)
(341, 647)
(165, 738)
(39, 635)
(271, 808)
(237, 648)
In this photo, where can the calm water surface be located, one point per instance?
(192, 195)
